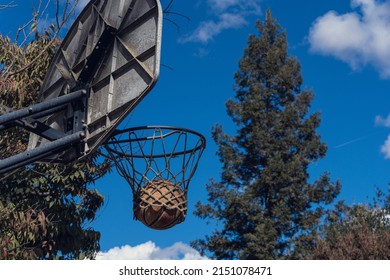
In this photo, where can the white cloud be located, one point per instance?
(221, 6)
(380, 121)
(385, 148)
(149, 251)
(226, 15)
(387, 219)
(358, 38)
(207, 30)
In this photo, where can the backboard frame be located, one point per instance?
(116, 60)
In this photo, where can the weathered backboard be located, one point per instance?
(113, 51)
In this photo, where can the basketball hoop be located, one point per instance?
(158, 163)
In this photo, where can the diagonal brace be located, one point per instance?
(41, 107)
(43, 151)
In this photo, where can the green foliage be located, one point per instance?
(24, 68)
(20, 229)
(45, 210)
(264, 204)
(61, 194)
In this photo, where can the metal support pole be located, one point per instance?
(40, 107)
(38, 153)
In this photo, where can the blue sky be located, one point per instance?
(344, 49)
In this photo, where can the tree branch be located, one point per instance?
(65, 18)
(167, 11)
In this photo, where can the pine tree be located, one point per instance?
(264, 205)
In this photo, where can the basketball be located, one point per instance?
(160, 205)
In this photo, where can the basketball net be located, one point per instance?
(158, 163)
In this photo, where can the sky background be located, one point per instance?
(344, 50)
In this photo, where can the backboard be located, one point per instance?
(113, 51)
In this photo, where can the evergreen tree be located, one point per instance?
(264, 204)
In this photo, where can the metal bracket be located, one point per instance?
(28, 157)
(37, 127)
(41, 108)
(27, 118)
